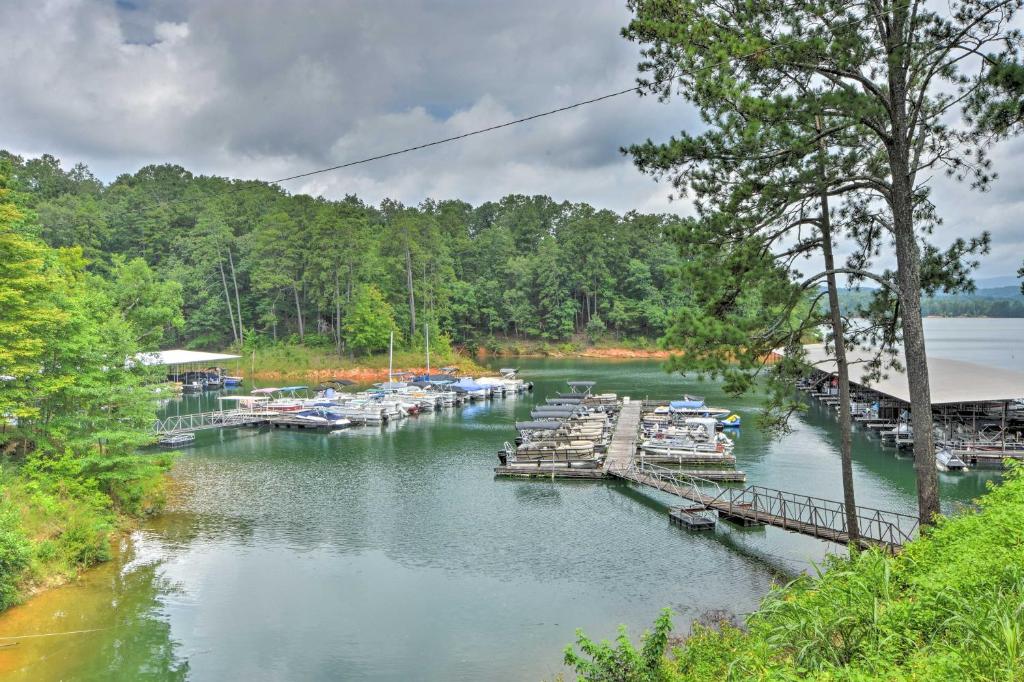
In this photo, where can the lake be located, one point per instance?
(393, 553)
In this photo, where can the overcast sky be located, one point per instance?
(259, 89)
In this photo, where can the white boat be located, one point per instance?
(945, 460)
(694, 406)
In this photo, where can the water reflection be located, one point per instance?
(118, 624)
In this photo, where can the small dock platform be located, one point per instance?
(692, 518)
(718, 475)
(689, 458)
(549, 471)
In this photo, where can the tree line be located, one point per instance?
(979, 304)
(74, 409)
(254, 262)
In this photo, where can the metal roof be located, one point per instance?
(950, 381)
(182, 357)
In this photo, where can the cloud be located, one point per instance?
(262, 89)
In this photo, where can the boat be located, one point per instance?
(696, 407)
(731, 422)
(282, 399)
(323, 416)
(473, 390)
(946, 460)
(230, 381)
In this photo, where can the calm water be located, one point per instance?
(393, 554)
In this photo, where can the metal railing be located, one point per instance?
(806, 514)
(199, 421)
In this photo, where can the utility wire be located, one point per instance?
(532, 117)
(481, 131)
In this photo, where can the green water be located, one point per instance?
(393, 554)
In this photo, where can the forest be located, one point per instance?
(998, 302)
(253, 263)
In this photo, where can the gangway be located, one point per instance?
(814, 516)
(201, 421)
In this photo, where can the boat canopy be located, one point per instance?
(264, 391)
(538, 425)
(582, 384)
(432, 378)
(243, 398)
(686, 404)
(552, 413)
(468, 384)
(508, 370)
(564, 401)
(391, 385)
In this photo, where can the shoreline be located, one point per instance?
(369, 371)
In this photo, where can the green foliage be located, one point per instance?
(950, 606)
(602, 662)
(369, 324)
(247, 259)
(74, 410)
(15, 554)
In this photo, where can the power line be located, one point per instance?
(463, 136)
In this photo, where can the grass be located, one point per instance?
(579, 345)
(320, 363)
(949, 607)
(52, 526)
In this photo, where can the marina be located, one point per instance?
(977, 410)
(344, 529)
(627, 456)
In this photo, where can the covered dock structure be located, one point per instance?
(194, 370)
(978, 409)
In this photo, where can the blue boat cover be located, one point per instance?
(686, 404)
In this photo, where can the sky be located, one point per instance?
(260, 89)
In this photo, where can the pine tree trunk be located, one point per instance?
(238, 303)
(298, 313)
(337, 312)
(843, 371)
(908, 275)
(412, 297)
(227, 299)
(842, 367)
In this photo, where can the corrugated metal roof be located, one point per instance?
(182, 357)
(951, 381)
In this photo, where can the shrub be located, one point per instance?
(15, 554)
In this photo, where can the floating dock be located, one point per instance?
(692, 518)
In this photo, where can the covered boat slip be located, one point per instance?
(194, 370)
(977, 409)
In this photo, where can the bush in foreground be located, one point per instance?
(950, 606)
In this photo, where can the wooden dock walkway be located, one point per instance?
(622, 449)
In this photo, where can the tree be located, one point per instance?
(28, 316)
(151, 306)
(276, 257)
(369, 322)
(889, 78)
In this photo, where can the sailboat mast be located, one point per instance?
(426, 335)
(391, 356)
